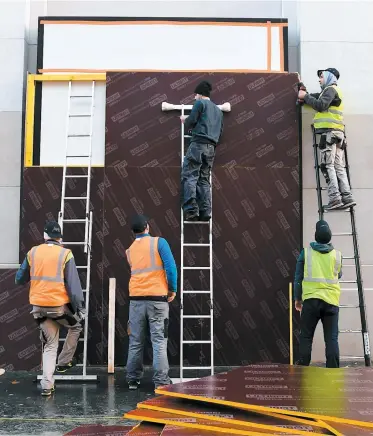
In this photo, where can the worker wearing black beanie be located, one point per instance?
(205, 126)
(317, 292)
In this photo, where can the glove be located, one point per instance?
(81, 314)
(301, 87)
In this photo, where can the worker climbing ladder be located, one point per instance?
(82, 158)
(184, 293)
(358, 281)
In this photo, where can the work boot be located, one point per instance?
(348, 203)
(204, 218)
(335, 204)
(64, 368)
(133, 385)
(48, 392)
(190, 217)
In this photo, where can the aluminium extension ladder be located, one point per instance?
(185, 292)
(355, 257)
(85, 221)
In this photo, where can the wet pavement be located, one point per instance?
(24, 412)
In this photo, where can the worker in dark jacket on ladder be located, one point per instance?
(328, 122)
(317, 292)
(206, 123)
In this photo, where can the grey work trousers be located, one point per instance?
(154, 313)
(333, 160)
(50, 333)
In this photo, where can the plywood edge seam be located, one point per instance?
(98, 71)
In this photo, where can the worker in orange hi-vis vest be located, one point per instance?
(152, 287)
(57, 299)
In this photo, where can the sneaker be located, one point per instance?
(349, 203)
(335, 204)
(48, 392)
(64, 368)
(133, 385)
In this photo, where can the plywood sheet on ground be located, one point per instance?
(197, 423)
(229, 415)
(338, 395)
(147, 429)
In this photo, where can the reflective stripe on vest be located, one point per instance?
(58, 278)
(332, 118)
(337, 267)
(153, 266)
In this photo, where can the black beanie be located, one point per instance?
(323, 234)
(139, 223)
(204, 88)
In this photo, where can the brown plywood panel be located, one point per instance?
(147, 429)
(352, 430)
(228, 415)
(197, 423)
(337, 395)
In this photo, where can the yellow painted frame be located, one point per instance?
(30, 103)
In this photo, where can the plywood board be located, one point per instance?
(337, 395)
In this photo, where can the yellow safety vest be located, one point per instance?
(321, 276)
(332, 118)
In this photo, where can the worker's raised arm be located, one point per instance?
(191, 121)
(73, 285)
(169, 264)
(322, 103)
(23, 274)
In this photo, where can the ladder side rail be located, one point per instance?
(317, 170)
(89, 169)
(359, 279)
(182, 260)
(211, 286)
(87, 293)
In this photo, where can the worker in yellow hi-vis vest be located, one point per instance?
(317, 292)
(328, 121)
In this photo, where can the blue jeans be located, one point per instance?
(154, 313)
(195, 180)
(313, 311)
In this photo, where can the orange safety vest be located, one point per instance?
(148, 277)
(47, 264)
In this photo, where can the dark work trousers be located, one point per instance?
(313, 311)
(195, 180)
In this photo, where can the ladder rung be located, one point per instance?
(79, 115)
(78, 176)
(196, 367)
(196, 342)
(196, 267)
(196, 316)
(84, 290)
(347, 281)
(343, 234)
(76, 198)
(349, 306)
(336, 210)
(196, 222)
(196, 245)
(81, 96)
(80, 220)
(349, 331)
(79, 136)
(77, 155)
(187, 136)
(195, 292)
(74, 243)
(348, 257)
(64, 339)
